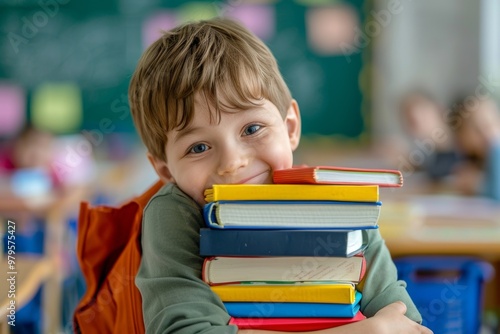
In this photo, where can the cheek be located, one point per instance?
(189, 178)
(280, 157)
(194, 187)
(198, 197)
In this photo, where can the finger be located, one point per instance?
(399, 307)
(427, 331)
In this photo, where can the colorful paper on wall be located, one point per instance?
(258, 18)
(57, 107)
(194, 11)
(12, 109)
(331, 30)
(155, 24)
(317, 2)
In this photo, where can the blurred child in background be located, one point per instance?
(432, 149)
(43, 174)
(476, 124)
(27, 177)
(30, 149)
(38, 167)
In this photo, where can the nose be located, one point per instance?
(231, 159)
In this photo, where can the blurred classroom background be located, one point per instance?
(380, 84)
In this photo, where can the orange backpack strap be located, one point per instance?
(109, 254)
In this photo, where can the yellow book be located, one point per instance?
(302, 292)
(291, 192)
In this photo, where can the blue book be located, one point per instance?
(237, 242)
(293, 310)
(291, 214)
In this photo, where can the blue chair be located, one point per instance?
(447, 290)
(29, 317)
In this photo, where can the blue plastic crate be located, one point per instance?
(447, 290)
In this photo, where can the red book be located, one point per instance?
(339, 175)
(293, 324)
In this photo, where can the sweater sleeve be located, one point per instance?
(175, 299)
(380, 286)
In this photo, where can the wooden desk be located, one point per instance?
(31, 272)
(442, 225)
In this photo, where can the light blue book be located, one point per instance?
(291, 215)
(293, 310)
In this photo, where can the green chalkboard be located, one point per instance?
(97, 44)
(326, 87)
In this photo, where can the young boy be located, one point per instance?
(211, 107)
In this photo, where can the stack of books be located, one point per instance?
(288, 256)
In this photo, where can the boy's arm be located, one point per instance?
(380, 286)
(174, 298)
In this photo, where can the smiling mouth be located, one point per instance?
(253, 178)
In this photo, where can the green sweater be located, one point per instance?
(176, 300)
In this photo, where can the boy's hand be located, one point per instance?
(392, 319)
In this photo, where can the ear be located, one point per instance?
(161, 168)
(292, 121)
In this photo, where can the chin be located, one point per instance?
(199, 199)
(201, 202)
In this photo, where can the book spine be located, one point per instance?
(209, 216)
(333, 293)
(273, 242)
(291, 310)
(295, 176)
(363, 268)
(205, 269)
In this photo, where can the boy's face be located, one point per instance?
(244, 147)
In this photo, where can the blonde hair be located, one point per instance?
(219, 59)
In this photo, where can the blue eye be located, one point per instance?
(250, 130)
(198, 148)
